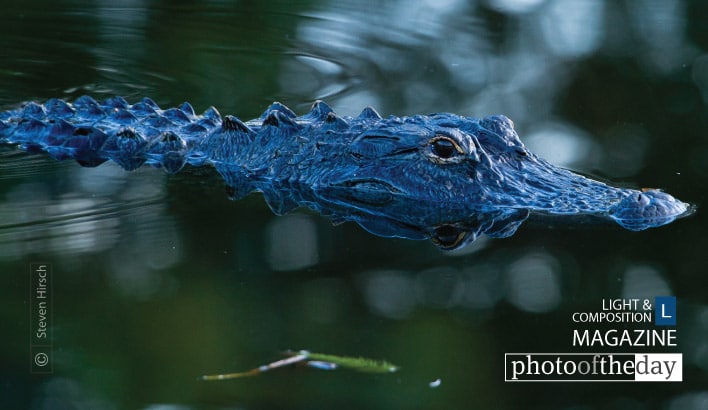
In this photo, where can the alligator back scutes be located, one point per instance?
(130, 135)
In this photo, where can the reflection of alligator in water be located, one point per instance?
(441, 175)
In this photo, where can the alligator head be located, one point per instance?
(440, 169)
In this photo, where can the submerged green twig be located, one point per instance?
(316, 360)
(360, 364)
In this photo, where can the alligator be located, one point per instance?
(441, 176)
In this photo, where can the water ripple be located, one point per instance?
(72, 215)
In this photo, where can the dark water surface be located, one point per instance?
(158, 279)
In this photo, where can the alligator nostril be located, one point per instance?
(642, 200)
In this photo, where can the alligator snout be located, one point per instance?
(651, 208)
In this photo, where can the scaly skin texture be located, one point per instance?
(441, 175)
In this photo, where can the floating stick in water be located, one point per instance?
(315, 360)
(258, 370)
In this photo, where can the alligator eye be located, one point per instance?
(444, 147)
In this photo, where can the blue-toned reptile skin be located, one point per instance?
(412, 177)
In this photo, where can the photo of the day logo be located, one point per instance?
(665, 311)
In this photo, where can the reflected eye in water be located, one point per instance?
(449, 237)
(443, 148)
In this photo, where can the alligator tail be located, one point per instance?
(129, 135)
